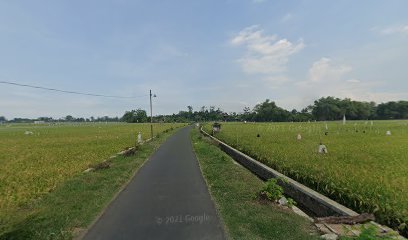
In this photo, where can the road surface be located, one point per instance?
(167, 199)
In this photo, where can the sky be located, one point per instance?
(225, 53)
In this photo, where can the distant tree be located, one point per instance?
(3, 119)
(268, 111)
(69, 118)
(328, 108)
(134, 116)
(393, 110)
(190, 109)
(22, 120)
(128, 117)
(45, 119)
(190, 112)
(325, 108)
(248, 115)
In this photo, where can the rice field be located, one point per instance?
(365, 169)
(35, 159)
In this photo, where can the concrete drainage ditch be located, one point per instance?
(311, 203)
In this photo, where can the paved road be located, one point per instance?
(167, 199)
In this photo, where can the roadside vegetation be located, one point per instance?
(365, 168)
(44, 192)
(234, 190)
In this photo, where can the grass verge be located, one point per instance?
(233, 188)
(69, 209)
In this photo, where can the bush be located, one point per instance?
(273, 192)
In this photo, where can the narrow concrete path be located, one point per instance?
(167, 199)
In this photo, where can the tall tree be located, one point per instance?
(268, 111)
(69, 118)
(134, 116)
(328, 108)
(393, 110)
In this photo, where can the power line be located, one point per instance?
(71, 92)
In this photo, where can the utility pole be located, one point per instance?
(151, 116)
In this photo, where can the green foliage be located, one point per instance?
(369, 233)
(330, 108)
(269, 112)
(69, 118)
(272, 190)
(291, 202)
(393, 110)
(323, 109)
(135, 116)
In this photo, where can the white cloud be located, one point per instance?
(252, 33)
(265, 54)
(353, 81)
(327, 78)
(396, 29)
(287, 17)
(325, 70)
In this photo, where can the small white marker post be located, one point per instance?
(323, 148)
(388, 133)
(299, 137)
(344, 119)
(139, 138)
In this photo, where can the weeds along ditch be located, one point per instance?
(365, 168)
(35, 159)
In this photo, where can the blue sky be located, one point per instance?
(226, 53)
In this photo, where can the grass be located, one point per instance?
(44, 194)
(233, 188)
(364, 169)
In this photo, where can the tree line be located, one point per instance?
(67, 118)
(323, 109)
(330, 108)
